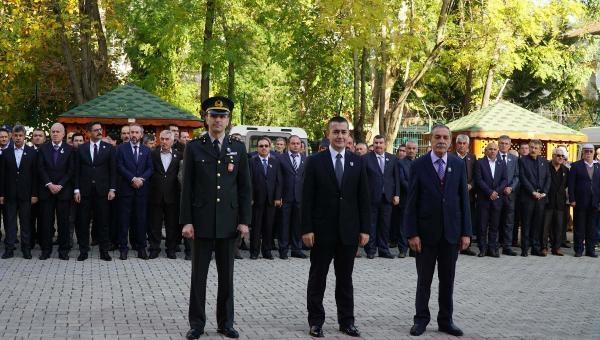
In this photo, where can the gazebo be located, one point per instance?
(505, 118)
(129, 104)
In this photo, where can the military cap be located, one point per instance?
(217, 105)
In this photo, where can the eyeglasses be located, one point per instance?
(588, 150)
(560, 156)
(97, 130)
(263, 146)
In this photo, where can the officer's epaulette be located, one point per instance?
(203, 138)
(234, 139)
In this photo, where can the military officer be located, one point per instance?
(215, 207)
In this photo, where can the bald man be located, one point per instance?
(55, 164)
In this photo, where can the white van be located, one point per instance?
(251, 133)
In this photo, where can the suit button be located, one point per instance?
(341, 198)
(218, 200)
(218, 175)
(18, 173)
(218, 187)
(93, 182)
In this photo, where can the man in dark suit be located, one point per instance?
(164, 197)
(4, 143)
(95, 183)
(584, 196)
(265, 171)
(335, 220)
(216, 205)
(292, 171)
(462, 151)
(18, 191)
(554, 214)
(403, 168)
(438, 225)
(508, 195)
(523, 151)
(535, 183)
(38, 138)
(382, 173)
(177, 145)
(490, 180)
(134, 166)
(56, 166)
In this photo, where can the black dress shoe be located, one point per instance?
(495, 253)
(417, 329)
(350, 331)
(253, 257)
(283, 256)
(468, 252)
(509, 252)
(481, 254)
(82, 257)
(45, 255)
(316, 331)
(27, 254)
(8, 254)
(370, 256)
(171, 255)
(229, 332)
(142, 254)
(194, 333)
(401, 255)
(188, 256)
(63, 256)
(524, 253)
(268, 256)
(299, 255)
(387, 256)
(94, 243)
(153, 254)
(451, 329)
(565, 245)
(591, 254)
(578, 254)
(104, 256)
(123, 255)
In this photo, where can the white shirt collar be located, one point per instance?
(21, 148)
(434, 157)
(334, 152)
(59, 144)
(264, 158)
(167, 152)
(490, 160)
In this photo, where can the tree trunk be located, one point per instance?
(208, 32)
(467, 98)
(489, 80)
(363, 94)
(231, 80)
(356, 95)
(394, 116)
(71, 67)
(88, 69)
(102, 54)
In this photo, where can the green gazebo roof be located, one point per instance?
(130, 102)
(505, 118)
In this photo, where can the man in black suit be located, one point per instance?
(4, 143)
(535, 184)
(403, 168)
(462, 151)
(38, 138)
(518, 225)
(292, 170)
(164, 198)
(56, 163)
(95, 183)
(385, 193)
(554, 213)
(177, 145)
(18, 191)
(134, 166)
(265, 171)
(335, 220)
(438, 225)
(490, 181)
(509, 195)
(216, 206)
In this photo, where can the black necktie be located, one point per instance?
(294, 163)
(55, 154)
(216, 147)
(95, 152)
(504, 158)
(339, 169)
(135, 153)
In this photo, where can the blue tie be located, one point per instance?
(265, 165)
(339, 169)
(440, 169)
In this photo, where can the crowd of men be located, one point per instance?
(123, 189)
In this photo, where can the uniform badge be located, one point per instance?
(230, 167)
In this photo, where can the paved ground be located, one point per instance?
(510, 297)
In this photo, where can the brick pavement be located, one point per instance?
(510, 297)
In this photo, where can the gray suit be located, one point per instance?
(507, 217)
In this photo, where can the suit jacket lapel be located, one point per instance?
(433, 172)
(329, 166)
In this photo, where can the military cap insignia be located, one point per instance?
(218, 103)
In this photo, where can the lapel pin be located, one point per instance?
(270, 165)
(24, 153)
(104, 146)
(449, 169)
(387, 159)
(351, 163)
(62, 150)
(228, 150)
(174, 155)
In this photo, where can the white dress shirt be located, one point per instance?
(492, 163)
(92, 149)
(19, 155)
(434, 159)
(165, 158)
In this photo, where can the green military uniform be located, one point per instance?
(215, 198)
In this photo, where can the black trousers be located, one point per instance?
(397, 227)
(517, 225)
(554, 223)
(584, 227)
(263, 216)
(133, 214)
(289, 235)
(507, 221)
(202, 250)
(381, 216)
(97, 206)
(169, 213)
(22, 209)
(343, 264)
(532, 223)
(36, 225)
(489, 220)
(49, 208)
(445, 255)
(113, 224)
